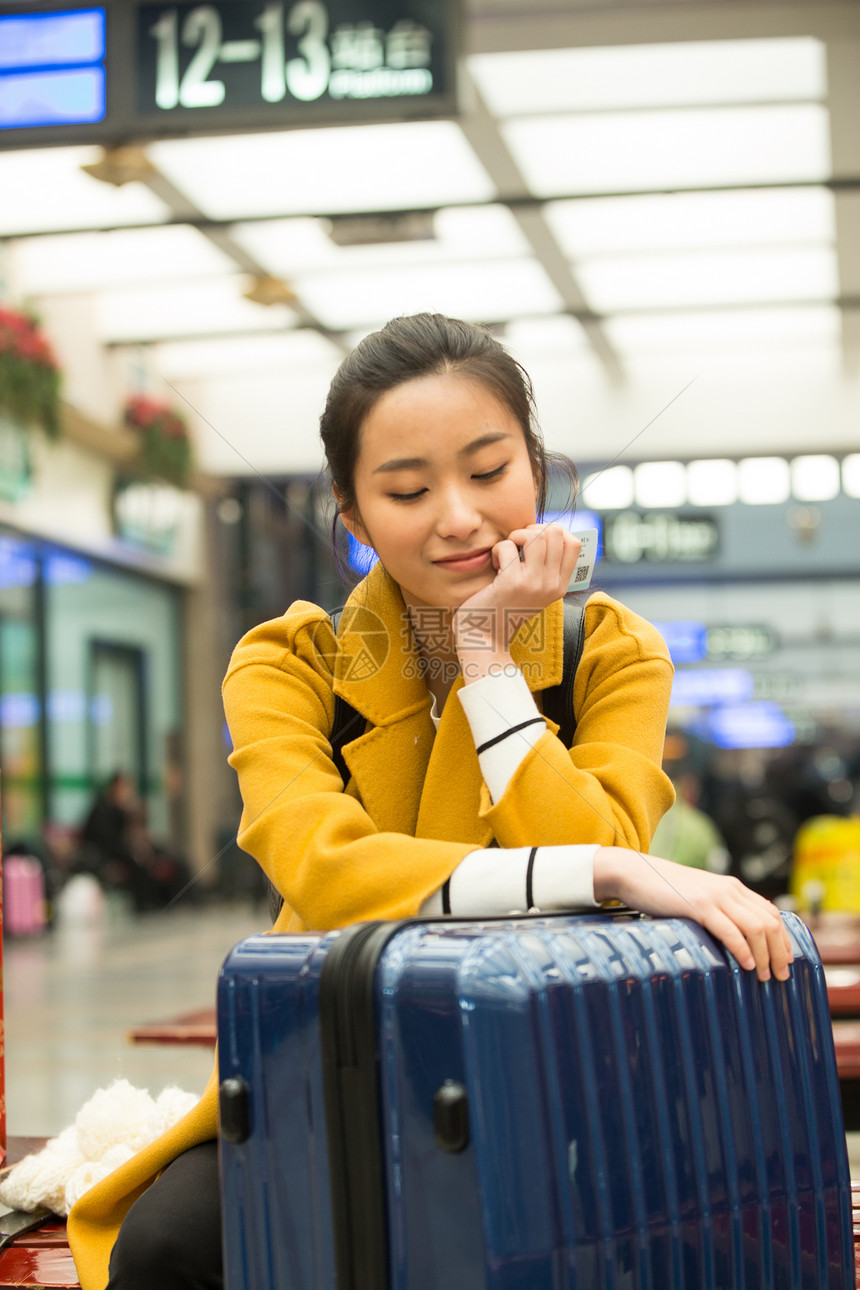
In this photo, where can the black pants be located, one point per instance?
(171, 1236)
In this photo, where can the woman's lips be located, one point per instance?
(467, 562)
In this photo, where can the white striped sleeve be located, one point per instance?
(505, 880)
(505, 723)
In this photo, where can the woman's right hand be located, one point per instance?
(534, 566)
(747, 924)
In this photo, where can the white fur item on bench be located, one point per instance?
(108, 1130)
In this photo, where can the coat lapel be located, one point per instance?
(452, 787)
(377, 670)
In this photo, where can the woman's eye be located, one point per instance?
(406, 497)
(484, 478)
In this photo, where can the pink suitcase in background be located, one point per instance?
(23, 896)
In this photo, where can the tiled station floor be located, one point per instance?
(72, 995)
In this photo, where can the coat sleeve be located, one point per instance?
(609, 787)
(316, 843)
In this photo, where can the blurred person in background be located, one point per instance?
(686, 834)
(117, 849)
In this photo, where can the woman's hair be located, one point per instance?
(404, 350)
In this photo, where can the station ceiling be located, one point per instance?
(626, 184)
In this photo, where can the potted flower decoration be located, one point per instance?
(29, 375)
(165, 449)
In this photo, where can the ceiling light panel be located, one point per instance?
(626, 152)
(488, 291)
(243, 355)
(764, 480)
(706, 72)
(712, 483)
(287, 247)
(191, 309)
(90, 261)
(851, 475)
(660, 483)
(610, 489)
(681, 221)
(671, 281)
(355, 168)
(725, 329)
(815, 477)
(46, 189)
(545, 337)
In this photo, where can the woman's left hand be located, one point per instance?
(747, 924)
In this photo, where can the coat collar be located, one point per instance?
(378, 668)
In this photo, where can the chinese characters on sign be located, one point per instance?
(237, 54)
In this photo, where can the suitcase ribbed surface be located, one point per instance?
(642, 1114)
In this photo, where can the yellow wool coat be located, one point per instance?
(415, 803)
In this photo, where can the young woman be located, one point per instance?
(459, 797)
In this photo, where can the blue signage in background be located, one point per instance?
(19, 711)
(62, 569)
(18, 564)
(68, 39)
(361, 558)
(748, 725)
(52, 69)
(706, 687)
(687, 640)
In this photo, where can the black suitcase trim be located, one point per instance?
(352, 1099)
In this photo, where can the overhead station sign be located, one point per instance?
(124, 71)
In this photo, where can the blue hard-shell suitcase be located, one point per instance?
(569, 1103)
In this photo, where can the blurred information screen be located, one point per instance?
(52, 68)
(146, 70)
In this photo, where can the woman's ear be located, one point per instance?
(351, 520)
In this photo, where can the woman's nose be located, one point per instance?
(458, 517)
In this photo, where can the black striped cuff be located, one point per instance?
(530, 901)
(532, 721)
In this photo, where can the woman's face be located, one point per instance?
(443, 473)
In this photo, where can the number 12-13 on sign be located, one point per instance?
(196, 59)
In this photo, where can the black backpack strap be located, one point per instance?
(558, 699)
(344, 728)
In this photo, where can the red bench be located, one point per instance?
(41, 1258)
(188, 1028)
